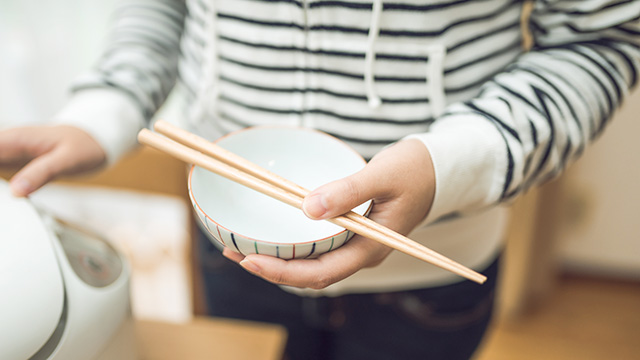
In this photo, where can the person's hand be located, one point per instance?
(46, 152)
(401, 182)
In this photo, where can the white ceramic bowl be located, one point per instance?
(247, 221)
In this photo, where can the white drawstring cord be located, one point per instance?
(213, 88)
(207, 95)
(374, 29)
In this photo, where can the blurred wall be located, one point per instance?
(600, 233)
(46, 44)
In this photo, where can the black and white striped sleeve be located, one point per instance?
(132, 78)
(535, 117)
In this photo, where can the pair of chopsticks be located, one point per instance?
(193, 149)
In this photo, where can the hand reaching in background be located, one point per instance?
(45, 152)
(401, 182)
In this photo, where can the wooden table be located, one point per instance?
(207, 338)
(202, 338)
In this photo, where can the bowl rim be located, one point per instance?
(260, 127)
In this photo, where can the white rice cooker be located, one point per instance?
(64, 292)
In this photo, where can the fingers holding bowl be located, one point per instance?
(317, 273)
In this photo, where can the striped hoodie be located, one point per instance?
(451, 73)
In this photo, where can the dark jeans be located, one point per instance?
(446, 322)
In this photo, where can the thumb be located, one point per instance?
(340, 196)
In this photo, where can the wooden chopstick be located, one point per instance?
(240, 170)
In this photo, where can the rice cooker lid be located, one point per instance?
(30, 280)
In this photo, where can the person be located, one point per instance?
(456, 120)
